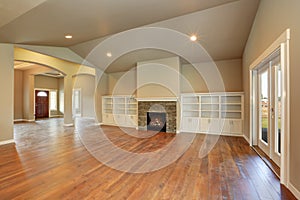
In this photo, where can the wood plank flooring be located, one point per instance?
(49, 161)
(270, 163)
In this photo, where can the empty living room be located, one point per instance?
(153, 99)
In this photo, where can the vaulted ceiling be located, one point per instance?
(223, 26)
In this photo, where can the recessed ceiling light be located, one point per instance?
(193, 38)
(68, 36)
(108, 54)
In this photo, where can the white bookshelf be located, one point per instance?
(212, 113)
(119, 111)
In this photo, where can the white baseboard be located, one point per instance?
(19, 120)
(7, 142)
(69, 125)
(246, 138)
(295, 192)
(232, 134)
(55, 116)
(24, 120)
(212, 133)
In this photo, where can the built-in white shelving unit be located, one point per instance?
(212, 113)
(119, 111)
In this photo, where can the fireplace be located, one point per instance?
(166, 108)
(156, 121)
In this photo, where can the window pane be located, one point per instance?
(264, 105)
(278, 133)
(42, 94)
(53, 100)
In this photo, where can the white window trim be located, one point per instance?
(283, 43)
(80, 103)
(56, 91)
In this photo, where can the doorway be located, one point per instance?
(269, 107)
(41, 104)
(76, 99)
(269, 104)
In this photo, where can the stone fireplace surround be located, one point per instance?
(167, 106)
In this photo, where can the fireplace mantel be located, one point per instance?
(157, 99)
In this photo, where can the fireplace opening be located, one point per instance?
(156, 121)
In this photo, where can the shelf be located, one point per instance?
(231, 111)
(119, 110)
(213, 108)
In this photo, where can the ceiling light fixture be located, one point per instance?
(193, 38)
(68, 36)
(108, 54)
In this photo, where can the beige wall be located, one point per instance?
(122, 83)
(7, 87)
(86, 83)
(61, 96)
(49, 83)
(18, 94)
(190, 80)
(28, 91)
(230, 71)
(158, 78)
(272, 19)
(101, 89)
(28, 95)
(45, 82)
(67, 68)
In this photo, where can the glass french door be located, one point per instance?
(269, 107)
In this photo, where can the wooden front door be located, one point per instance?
(41, 104)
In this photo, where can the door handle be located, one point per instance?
(272, 113)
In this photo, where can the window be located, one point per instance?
(77, 102)
(42, 94)
(53, 100)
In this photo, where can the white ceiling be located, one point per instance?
(222, 25)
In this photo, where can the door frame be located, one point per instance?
(282, 43)
(271, 68)
(49, 90)
(38, 89)
(80, 102)
(265, 146)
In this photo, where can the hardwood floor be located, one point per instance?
(270, 163)
(49, 161)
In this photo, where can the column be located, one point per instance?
(7, 89)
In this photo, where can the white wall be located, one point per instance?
(272, 19)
